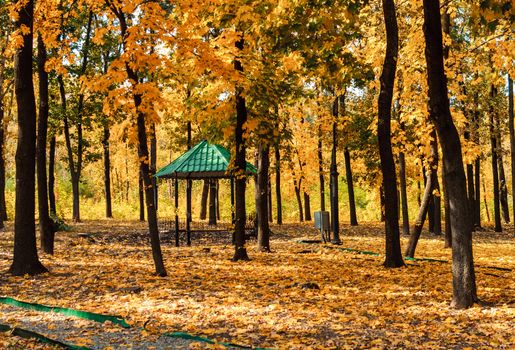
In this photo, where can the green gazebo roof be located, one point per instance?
(200, 162)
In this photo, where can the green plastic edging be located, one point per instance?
(64, 311)
(104, 318)
(24, 333)
(187, 336)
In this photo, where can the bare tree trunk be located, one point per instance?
(393, 245)
(503, 188)
(240, 165)
(141, 196)
(3, 92)
(404, 195)
(333, 183)
(512, 141)
(495, 172)
(107, 172)
(278, 185)
(263, 239)
(296, 185)
(321, 169)
(25, 257)
(46, 227)
(269, 193)
(51, 176)
(212, 202)
(307, 207)
(350, 188)
(464, 281)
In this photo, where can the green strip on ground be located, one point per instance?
(24, 333)
(207, 340)
(64, 311)
(104, 318)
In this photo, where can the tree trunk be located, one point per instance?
(46, 227)
(503, 188)
(203, 200)
(393, 245)
(212, 202)
(512, 142)
(423, 211)
(296, 185)
(107, 172)
(240, 165)
(269, 193)
(333, 182)
(3, 209)
(141, 196)
(51, 176)
(307, 207)
(263, 238)
(321, 169)
(404, 195)
(447, 212)
(477, 185)
(381, 200)
(464, 282)
(278, 185)
(421, 217)
(495, 169)
(350, 188)
(25, 258)
(485, 202)
(437, 200)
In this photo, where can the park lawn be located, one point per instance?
(299, 296)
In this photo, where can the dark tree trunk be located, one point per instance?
(503, 188)
(464, 282)
(51, 176)
(46, 227)
(296, 185)
(153, 163)
(141, 195)
(269, 193)
(350, 188)
(437, 200)
(321, 169)
(404, 195)
(307, 207)
(419, 190)
(393, 245)
(512, 141)
(495, 169)
(485, 201)
(447, 212)
(203, 200)
(25, 259)
(212, 202)
(3, 209)
(477, 185)
(278, 185)
(333, 182)
(107, 172)
(240, 165)
(263, 238)
(423, 211)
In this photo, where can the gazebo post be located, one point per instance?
(188, 212)
(176, 210)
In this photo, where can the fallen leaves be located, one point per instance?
(272, 300)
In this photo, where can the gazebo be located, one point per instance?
(203, 161)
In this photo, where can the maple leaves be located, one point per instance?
(262, 302)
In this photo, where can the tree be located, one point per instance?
(464, 282)
(25, 259)
(393, 247)
(263, 166)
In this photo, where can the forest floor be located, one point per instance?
(300, 296)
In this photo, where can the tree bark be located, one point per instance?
(296, 185)
(495, 169)
(212, 202)
(269, 193)
(107, 172)
(25, 258)
(307, 207)
(141, 196)
(240, 165)
(512, 141)
(278, 185)
(464, 282)
(404, 195)
(46, 227)
(51, 176)
(350, 188)
(3, 92)
(393, 246)
(263, 238)
(333, 183)
(203, 200)
(143, 153)
(321, 169)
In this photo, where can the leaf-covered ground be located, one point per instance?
(300, 296)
